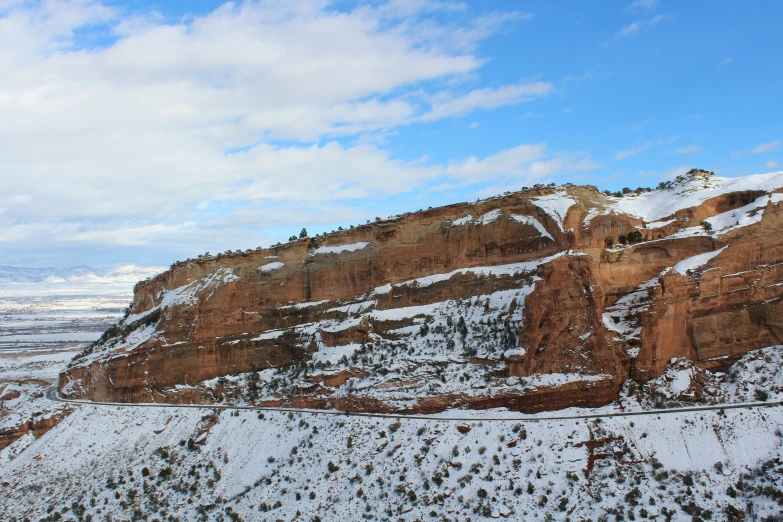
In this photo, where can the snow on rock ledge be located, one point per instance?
(533, 222)
(692, 263)
(556, 205)
(353, 247)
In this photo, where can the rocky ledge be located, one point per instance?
(534, 300)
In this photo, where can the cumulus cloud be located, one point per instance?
(127, 129)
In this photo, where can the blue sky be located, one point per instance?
(145, 132)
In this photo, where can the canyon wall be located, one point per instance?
(527, 301)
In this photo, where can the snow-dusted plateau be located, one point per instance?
(556, 353)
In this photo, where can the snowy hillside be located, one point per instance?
(691, 191)
(462, 317)
(186, 464)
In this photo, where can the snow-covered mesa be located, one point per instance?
(658, 204)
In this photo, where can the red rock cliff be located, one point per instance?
(515, 301)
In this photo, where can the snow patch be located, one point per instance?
(497, 270)
(530, 220)
(740, 217)
(692, 263)
(462, 221)
(308, 304)
(484, 219)
(353, 247)
(385, 289)
(659, 224)
(555, 205)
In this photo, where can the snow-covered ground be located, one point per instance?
(46, 316)
(109, 463)
(181, 464)
(45, 311)
(691, 192)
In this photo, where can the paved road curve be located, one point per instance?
(52, 394)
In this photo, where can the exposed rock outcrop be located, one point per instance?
(530, 301)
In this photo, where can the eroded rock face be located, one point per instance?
(514, 301)
(24, 410)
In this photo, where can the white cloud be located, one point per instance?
(486, 99)
(772, 164)
(767, 147)
(634, 28)
(290, 187)
(641, 148)
(186, 131)
(689, 149)
(725, 61)
(524, 163)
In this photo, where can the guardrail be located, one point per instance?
(52, 395)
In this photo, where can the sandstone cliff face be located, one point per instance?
(513, 301)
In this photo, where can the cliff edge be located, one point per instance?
(535, 300)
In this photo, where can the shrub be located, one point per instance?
(634, 237)
(462, 328)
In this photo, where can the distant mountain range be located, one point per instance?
(78, 274)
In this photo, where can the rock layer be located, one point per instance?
(514, 301)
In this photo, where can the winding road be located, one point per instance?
(52, 395)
